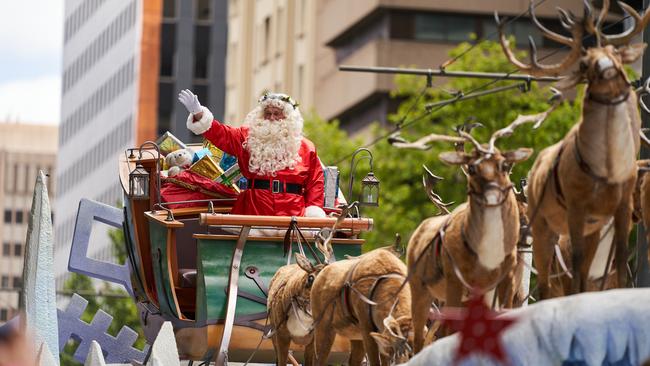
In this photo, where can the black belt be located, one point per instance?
(277, 186)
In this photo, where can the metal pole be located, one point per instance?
(642, 268)
(521, 87)
(445, 73)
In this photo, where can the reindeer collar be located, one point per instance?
(601, 100)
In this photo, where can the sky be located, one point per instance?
(31, 44)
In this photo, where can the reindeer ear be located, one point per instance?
(383, 343)
(454, 158)
(304, 263)
(631, 53)
(516, 156)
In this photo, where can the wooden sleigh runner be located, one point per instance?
(203, 269)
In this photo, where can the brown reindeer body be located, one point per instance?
(340, 311)
(485, 255)
(474, 248)
(577, 185)
(289, 308)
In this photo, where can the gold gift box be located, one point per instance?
(207, 168)
(217, 154)
(168, 143)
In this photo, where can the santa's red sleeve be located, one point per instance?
(315, 184)
(226, 138)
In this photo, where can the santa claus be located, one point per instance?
(284, 173)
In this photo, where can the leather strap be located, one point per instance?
(583, 164)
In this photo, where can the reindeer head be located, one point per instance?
(601, 65)
(488, 171)
(311, 271)
(487, 168)
(396, 339)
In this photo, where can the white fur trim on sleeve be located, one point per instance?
(201, 126)
(314, 211)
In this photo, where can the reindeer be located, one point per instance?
(475, 246)
(289, 304)
(597, 158)
(364, 299)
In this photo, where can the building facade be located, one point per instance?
(124, 63)
(271, 47)
(320, 35)
(24, 150)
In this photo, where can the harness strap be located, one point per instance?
(584, 166)
(556, 179)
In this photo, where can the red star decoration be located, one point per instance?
(480, 330)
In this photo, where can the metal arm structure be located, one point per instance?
(444, 73)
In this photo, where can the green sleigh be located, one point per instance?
(207, 271)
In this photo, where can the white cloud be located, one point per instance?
(36, 100)
(31, 27)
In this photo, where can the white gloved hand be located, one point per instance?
(190, 101)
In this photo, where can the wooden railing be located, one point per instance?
(283, 222)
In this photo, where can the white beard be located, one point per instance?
(273, 145)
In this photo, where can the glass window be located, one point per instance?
(168, 41)
(203, 9)
(19, 217)
(165, 103)
(18, 282)
(169, 8)
(443, 27)
(18, 250)
(7, 216)
(5, 282)
(3, 314)
(6, 249)
(201, 51)
(267, 39)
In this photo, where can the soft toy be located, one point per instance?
(178, 161)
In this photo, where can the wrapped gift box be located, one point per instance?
(168, 143)
(207, 167)
(217, 154)
(231, 177)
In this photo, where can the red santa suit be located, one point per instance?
(287, 193)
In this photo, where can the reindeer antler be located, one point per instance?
(324, 244)
(644, 138)
(429, 180)
(521, 119)
(643, 91)
(640, 22)
(423, 143)
(568, 21)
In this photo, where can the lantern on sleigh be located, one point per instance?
(139, 183)
(369, 184)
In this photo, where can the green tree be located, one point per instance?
(403, 203)
(115, 301)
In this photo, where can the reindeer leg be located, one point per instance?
(622, 227)
(543, 242)
(357, 353)
(281, 344)
(309, 354)
(454, 295)
(324, 336)
(576, 221)
(420, 306)
(372, 351)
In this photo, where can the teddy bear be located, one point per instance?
(178, 160)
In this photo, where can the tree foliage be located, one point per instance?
(403, 203)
